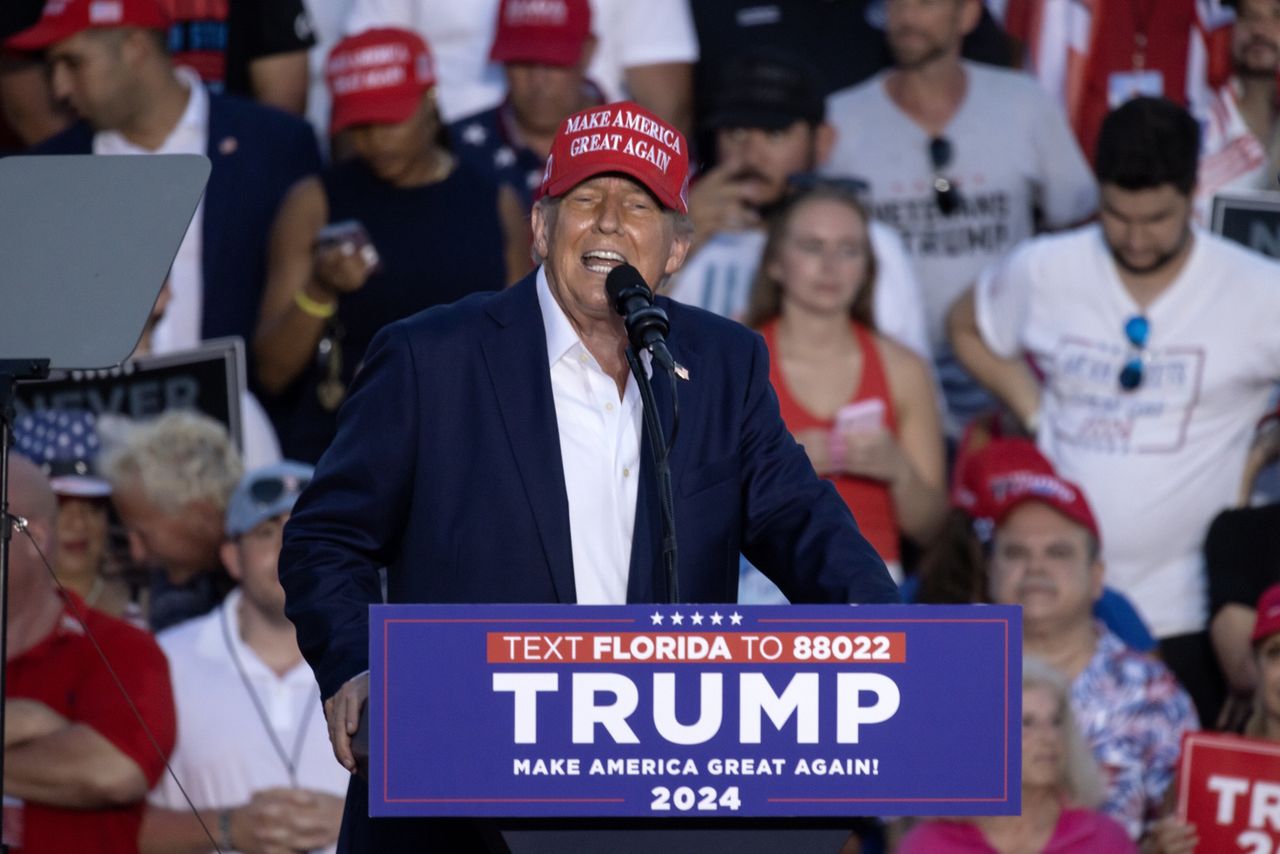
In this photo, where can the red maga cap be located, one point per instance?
(63, 19)
(549, 32)
(1268, 614)
(1005, 473)
(622, 137)
(378, 77)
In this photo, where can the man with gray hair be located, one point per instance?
(171, 478)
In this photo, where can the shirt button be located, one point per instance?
(582, 357)
(626, 472)
(608, 407)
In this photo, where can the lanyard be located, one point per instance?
(289, 760)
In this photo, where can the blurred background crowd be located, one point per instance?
(974, 237)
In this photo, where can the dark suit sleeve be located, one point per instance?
(348, 522)
(797, 529)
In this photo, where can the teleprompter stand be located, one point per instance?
(85, 245)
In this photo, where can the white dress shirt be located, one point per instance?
(179, 329)
(600, 453)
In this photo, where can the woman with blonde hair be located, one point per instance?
(862, 405)
(1061, 787)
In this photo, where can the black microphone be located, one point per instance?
(647, 325)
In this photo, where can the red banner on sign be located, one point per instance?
(1229, 788)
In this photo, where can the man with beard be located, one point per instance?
(544, 50)
(1241, 148)
(1155, 353)
(965, 160)
(771, 131)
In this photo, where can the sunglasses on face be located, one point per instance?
(945, 195)
(266, 491)
(1137, 330)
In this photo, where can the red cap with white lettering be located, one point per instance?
(378, 77)
(625, 138)
(548, 32)
(63, 19)
(1268, 622)
(989, 483)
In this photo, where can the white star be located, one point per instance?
(504, 157)
(735, 618)
(716, 619)
(657, 618)
(677, 619)
(696, 618)
(474, 134)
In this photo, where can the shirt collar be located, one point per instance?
(561, 336)
(195, 118)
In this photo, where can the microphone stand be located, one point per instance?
(661, 453)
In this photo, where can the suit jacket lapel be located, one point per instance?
(515, 352)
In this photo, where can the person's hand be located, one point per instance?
(286, 821)
(25, 720)
(342, 711)
(343, 267)
(1170, 835)
(873, 454)
(719, 201)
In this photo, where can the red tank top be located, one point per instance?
(869, 500)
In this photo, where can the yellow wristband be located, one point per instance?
(318, 310)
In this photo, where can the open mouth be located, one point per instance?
(602, 261)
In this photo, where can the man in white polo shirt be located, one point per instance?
(253, 752)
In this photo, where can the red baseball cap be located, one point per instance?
(63, 19)
(1268, 614)
(550, 32)
(378, 77)
(622, 137)
(1005, 473)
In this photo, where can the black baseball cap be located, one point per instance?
(767, 88)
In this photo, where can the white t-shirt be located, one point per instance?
(718, 278)
(460, 34)
(1012, 152)
(224, 754)
(1160, 462)
(600, 434)
(179, 329)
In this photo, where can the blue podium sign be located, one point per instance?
(694, 710)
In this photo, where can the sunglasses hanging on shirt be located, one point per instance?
(1137, 330)
(945, 195)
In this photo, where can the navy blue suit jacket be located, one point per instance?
(258, 153)
(446, 469)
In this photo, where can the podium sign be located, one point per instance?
(1229, 788)
(694, 710)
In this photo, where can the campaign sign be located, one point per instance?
(694, 710)
(208, 378)
(1229, 788)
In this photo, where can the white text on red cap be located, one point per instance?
(545, 13)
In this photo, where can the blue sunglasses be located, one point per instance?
(1138, 330)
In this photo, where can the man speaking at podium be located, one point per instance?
(491, 450)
